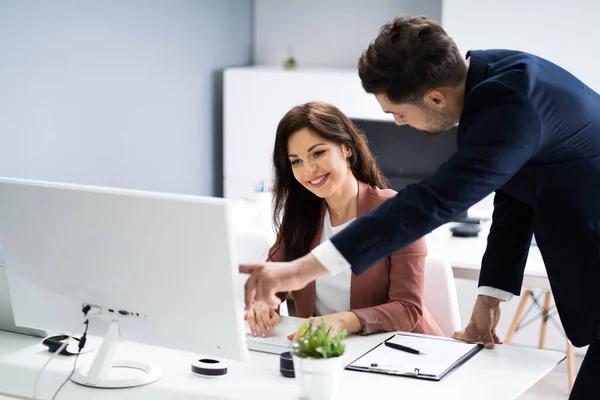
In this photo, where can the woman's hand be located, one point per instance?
(337, 322)
(261, 318)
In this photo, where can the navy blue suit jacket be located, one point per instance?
(529, 131)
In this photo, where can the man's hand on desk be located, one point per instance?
(482, 325)
(267, 279)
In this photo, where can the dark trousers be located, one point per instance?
(587, 382)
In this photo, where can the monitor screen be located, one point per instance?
(404, 154)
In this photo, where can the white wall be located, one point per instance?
(566, 33)
(331, 33)
(118, 93)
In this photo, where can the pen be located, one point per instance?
(403, 348)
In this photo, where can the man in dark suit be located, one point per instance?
(529, 131)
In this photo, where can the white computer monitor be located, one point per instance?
(7, 319)
(167, 261)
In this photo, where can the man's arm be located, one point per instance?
(494, 292)
(505, 257)
(497, 143)
(508, 246)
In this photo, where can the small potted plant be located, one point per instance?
(318, 361)
(290, 62)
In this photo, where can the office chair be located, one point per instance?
(440, 296)
(253, 247)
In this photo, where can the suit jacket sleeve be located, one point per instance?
(498, 140)
(508, 245)
(404, 309)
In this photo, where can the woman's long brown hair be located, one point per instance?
(296, 210)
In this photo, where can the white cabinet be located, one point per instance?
(255, 100)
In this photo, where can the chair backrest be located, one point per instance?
(251, 247)
(440, 294)
(254, 247)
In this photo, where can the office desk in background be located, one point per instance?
(502, 373)
(465, 254)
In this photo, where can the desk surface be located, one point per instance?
(465, 254)
(502, 373)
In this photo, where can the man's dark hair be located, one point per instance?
(410, 56)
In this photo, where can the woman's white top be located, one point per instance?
(333, 291)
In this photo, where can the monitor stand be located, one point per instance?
(104, 372)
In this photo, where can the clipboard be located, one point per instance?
(442, 355)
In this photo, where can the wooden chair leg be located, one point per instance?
(570, 348)
(571, 363)
(515, 322)
(544, 320)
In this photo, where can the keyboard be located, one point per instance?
(273, 345)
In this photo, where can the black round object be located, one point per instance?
(209, 367)
(466, 230)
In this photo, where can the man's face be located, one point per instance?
(432, 118)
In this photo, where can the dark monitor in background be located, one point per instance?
(404, 154)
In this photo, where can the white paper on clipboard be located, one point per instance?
(441, 356)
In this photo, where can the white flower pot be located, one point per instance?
(317, 379)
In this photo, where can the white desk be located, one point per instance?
(502, 373)
(465, 254)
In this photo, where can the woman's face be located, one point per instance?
(319, 165)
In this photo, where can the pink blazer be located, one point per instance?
(389, 295)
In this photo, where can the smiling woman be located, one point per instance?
(321, 167)
(319, 154)
(326, 177)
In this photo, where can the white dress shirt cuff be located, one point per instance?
(497, 293)
(330, 258)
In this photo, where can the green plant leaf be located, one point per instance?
(315, 341)
(303, 329)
